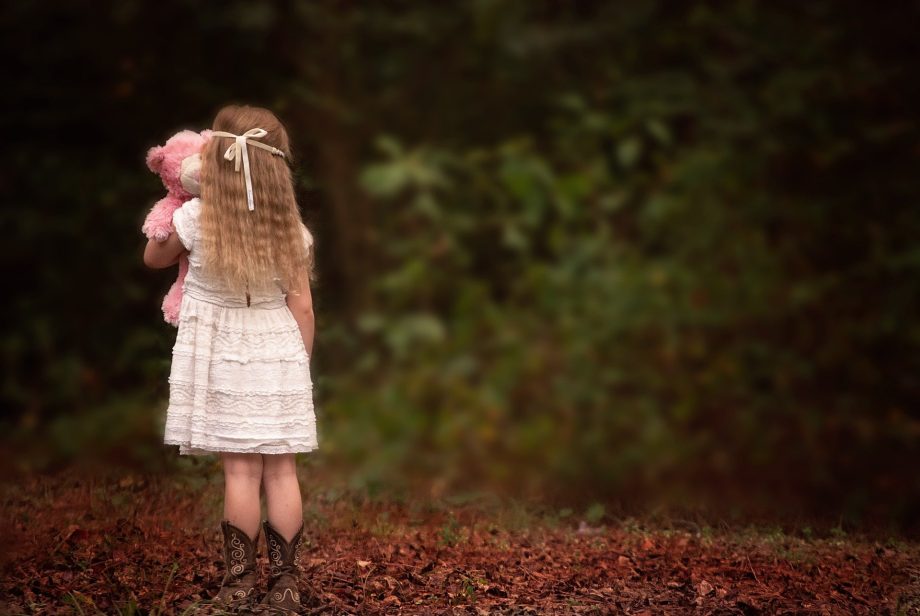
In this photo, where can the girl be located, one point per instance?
(240, 383)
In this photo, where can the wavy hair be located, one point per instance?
(247, 249)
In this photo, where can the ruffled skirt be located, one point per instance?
(240, 381)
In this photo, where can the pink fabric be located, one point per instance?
(166, 161)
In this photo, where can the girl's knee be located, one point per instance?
(247, 465)
(279, 465)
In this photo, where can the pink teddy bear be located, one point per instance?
(178, 163)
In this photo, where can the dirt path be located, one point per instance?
(139, 545)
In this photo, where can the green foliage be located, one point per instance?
(450, 532)
(665, 274)
(578, 247)
(595, 513)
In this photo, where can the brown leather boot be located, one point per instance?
(238, 587)
(282, 596)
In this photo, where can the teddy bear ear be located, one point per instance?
(206, 134)
(155, 156)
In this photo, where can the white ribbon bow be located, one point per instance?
(238, 150)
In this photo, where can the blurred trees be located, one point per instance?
(593, 248)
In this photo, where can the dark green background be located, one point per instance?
(622, 252)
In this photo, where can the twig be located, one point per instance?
(364, 586)
(756, 579)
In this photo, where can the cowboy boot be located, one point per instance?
(239, 584)
(282, 594)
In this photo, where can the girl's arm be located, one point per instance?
(301, 306)
(158, 255)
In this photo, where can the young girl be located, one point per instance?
(240, 383)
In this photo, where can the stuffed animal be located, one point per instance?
(178, 163)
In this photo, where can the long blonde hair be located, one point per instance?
(244, 248)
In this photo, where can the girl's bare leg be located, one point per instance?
(282, 493)
(242, 476)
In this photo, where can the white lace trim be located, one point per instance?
(186, 448)
(184, 390)
(218, 358)
(205, 332)
(243, 353)
(224, 432)
(183, 426)
(241, 332)
(255, 430)
(241, 378)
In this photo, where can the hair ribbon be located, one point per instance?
(238, 151)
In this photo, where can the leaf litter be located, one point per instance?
(143, 546)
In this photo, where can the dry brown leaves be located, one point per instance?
(153, 550)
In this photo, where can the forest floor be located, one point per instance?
(145, 544)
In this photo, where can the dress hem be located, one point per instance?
(186, 449)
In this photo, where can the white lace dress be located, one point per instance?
(240, 378)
